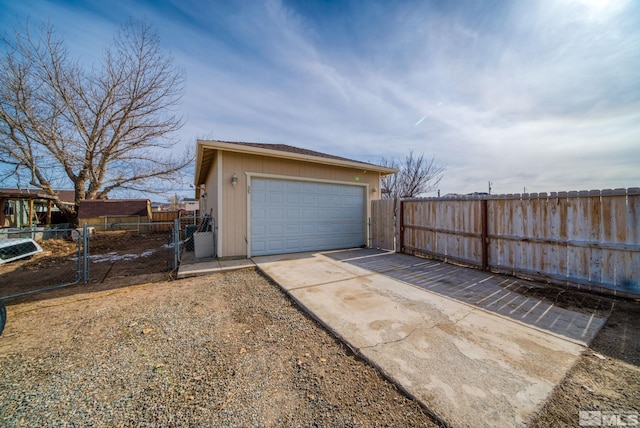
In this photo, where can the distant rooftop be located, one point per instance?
(67, 196)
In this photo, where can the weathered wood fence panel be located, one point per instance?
(451, 229)
(164, 220)
(382, 224)
(590, 238)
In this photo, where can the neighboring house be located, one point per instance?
(274, 198)
(190, 204)
(158, 206)
(31, 207)
(114, 211)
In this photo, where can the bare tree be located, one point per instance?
(99, 129)
(416, 176)
(174, 202)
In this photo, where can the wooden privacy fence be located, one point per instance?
(383, 224)
(588, 238)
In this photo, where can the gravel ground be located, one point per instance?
(226, 349)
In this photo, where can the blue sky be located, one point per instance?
(537, 94)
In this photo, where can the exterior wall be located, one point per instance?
(191, 205)
(231, 209)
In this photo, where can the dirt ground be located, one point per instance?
(228, 349)
(112, 255)
(231, 349)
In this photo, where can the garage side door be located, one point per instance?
(295, 216)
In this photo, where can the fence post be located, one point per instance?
(401, 227)
(3, 316)
(485, 238)
(176, 243)
(85, 254)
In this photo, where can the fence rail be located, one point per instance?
(589, 238)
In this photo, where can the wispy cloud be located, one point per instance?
(539, 94)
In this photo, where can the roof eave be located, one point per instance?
(238, 148)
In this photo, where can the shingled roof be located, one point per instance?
(291, 149)
(206, 148)
(66, 196)
(113, 207)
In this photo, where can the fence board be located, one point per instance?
(164, 220)
(382, 224)
(450, 229)
(590, 238)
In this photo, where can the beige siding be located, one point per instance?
(209, 204)
(232, 215)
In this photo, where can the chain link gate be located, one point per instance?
(18, 244)
(194, 238)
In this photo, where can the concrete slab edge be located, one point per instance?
(356, 351)
(478, 308)
(213, 271)
(506, 318)
(582, 343)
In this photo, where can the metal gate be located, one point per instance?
(21, 243)
(194, 238)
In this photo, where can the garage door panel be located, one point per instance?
(275, 230)
(275, 246)
(258, 186)
(275, 185)
(293, 229)
(259, 230)
(261, 197)
(293, 199)
(292, 245)
(275, 198)
(293, 213)
(276, 214)
(294, 216)
(308, 213)
(259, 245)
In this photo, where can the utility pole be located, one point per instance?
(490, 183)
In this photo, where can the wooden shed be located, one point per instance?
(111, 214)
(274, 198)
(32, 207)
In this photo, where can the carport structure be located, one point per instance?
(274, 198)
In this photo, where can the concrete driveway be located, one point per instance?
(449, 336)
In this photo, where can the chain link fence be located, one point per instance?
(63, 249)
(194, 239)
(38, 260)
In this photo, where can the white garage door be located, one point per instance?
(295, 216)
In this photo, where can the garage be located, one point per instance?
(289, 216)
(274, 198)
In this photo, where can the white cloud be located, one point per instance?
(537, 94)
